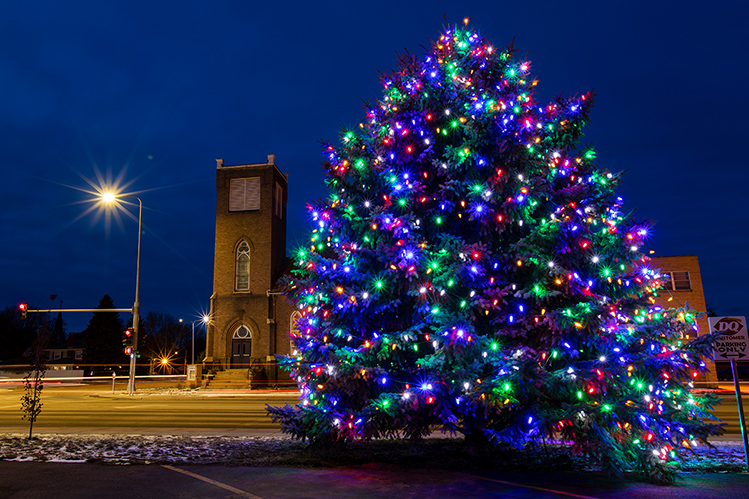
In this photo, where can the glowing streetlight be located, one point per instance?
(109, 198)
(205, 320)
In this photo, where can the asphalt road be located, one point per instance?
(727, 412)
(95, 407)
(155, 407)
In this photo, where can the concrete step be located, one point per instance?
(223, 385)
(230, 378)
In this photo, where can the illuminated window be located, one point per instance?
(242, 273)
(244, 194)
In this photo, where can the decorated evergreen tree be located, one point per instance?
(472, 268)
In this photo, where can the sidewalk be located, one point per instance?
(145, 431)
(186, 392)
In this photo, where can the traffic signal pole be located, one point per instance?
(131, 381)
(81, 310)
(136, 305)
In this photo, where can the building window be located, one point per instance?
(242, 333)
(244, 194)
(57, 354)
(677, 281)
(278, 201)
(242, 274)
(78, 354)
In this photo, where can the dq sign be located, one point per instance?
(734, 342)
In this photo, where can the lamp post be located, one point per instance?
(109, 198)
(205, 320)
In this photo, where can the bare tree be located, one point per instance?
(164, 339)
(31, 401)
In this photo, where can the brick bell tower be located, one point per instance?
(249, 255)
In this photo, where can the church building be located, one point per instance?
(250, 318)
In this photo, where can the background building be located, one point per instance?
(65, 354)
(685, 287)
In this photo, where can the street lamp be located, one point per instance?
(205, 320)
(110, 198)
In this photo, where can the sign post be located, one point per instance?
(733, 344)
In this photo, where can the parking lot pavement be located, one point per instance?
(81, 480)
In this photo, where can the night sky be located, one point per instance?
(148, 94)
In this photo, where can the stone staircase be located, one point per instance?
(230, 379)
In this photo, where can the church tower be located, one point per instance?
(248, 317)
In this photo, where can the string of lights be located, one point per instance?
(473, 269)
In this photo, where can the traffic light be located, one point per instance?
(24, 308)
(127, 341)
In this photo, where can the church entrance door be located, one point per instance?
(240, 353)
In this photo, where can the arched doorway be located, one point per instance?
(241, 347)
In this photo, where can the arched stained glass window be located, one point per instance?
(242, 274)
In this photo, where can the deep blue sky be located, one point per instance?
(153, 92)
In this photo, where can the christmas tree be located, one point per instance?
(473, 270)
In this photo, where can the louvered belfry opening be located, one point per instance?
(244, 194)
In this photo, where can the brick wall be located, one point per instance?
(695, 297)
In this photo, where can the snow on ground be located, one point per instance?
(142, 449)
(243, 450)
